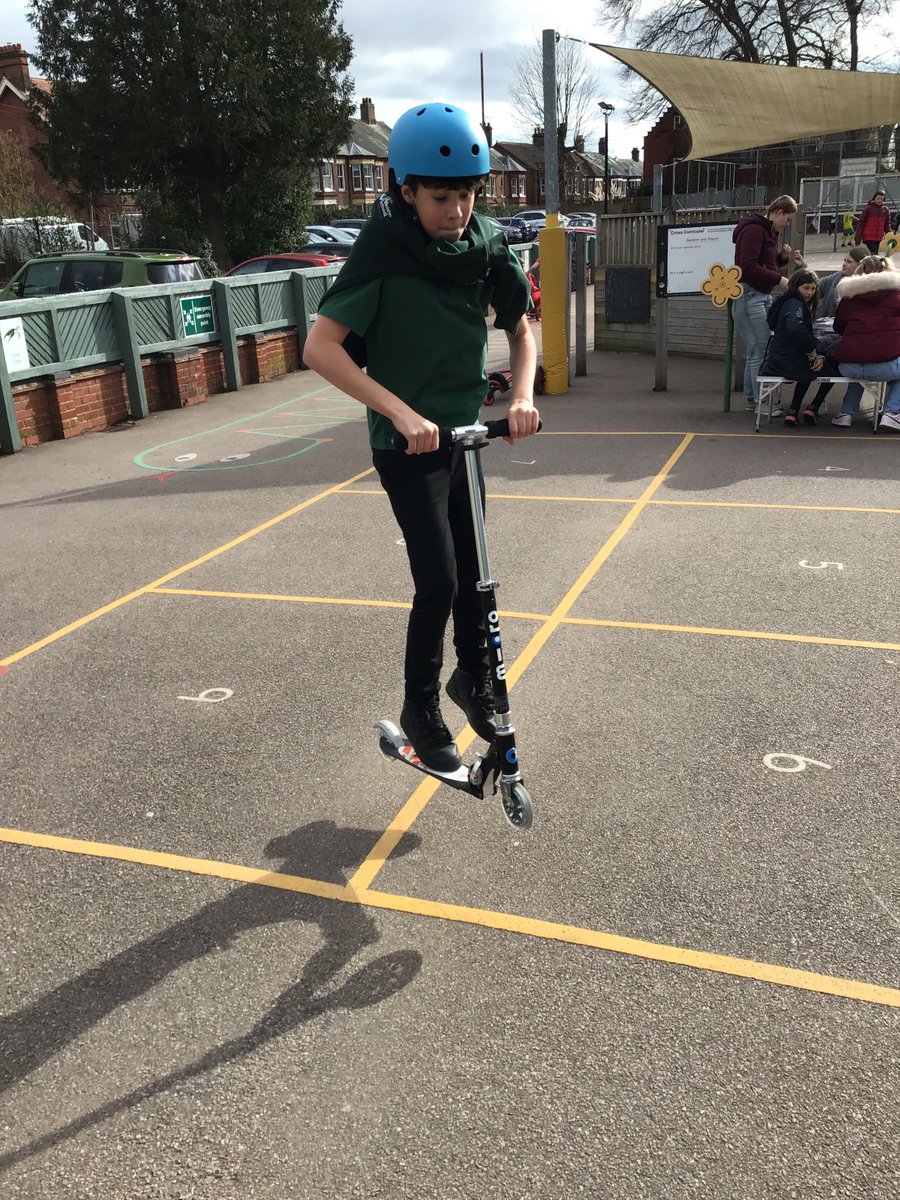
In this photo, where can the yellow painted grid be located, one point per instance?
(359, 889)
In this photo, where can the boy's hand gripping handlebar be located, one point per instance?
(448, 437)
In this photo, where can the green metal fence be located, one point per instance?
(63, 333)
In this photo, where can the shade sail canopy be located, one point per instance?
(737, 106)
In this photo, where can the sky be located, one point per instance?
(431, 52)
(408, 51)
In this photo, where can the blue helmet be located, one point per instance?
(438, 141)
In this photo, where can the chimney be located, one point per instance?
(579, 143)
(488, 133)
(537, 138)
(14, 65)
(635, 154)
(367, 110)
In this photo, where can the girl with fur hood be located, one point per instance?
(868, 320)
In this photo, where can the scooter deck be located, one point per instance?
(393, 743)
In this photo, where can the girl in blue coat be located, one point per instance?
(792, 351)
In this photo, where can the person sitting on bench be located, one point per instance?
(792, 351)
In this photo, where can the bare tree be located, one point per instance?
(791, 33)
(579, 85)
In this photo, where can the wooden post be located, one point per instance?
(130, 354)
(10, 441)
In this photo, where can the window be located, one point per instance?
(42, 279)
(327, 177)
(370, 177)
(542, 185)
(180, 272)
(489, 186)
(357, 177)
(379, 179)
(253, 267)
(342, 178)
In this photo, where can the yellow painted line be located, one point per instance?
(848, 508)
(720, 964)
(737, 633)
(204, 558)
(164, 591)
(404, 819)
(653, 626)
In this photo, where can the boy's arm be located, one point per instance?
(324, 353)
(523, 416)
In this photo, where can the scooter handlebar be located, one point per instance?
(493, 429)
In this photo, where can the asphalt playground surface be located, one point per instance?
(244, 956)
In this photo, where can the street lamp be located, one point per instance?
(607, 109)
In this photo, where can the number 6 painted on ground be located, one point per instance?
(800, 763)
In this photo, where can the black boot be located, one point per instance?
(424, 726)
(475, 696)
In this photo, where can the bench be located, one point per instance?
(770, 391)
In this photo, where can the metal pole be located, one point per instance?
(729, 356)
(551, 148)
(606, 164)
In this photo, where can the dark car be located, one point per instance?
(517, 228)
(283, 262)
(336, 249)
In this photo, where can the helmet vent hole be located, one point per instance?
(475, 150)
(446, 109)
(421, 112)
(446, 151)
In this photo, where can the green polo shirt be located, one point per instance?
(426, 341)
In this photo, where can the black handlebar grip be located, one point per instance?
(495, 429)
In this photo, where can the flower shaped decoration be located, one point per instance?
(722, 285)
(889, 243)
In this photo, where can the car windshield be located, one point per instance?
(177, 272)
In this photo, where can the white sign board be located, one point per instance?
(12, 339)
(686, 252)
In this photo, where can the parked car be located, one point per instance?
(328, 233)
(349, 222)
(337, 249)
(283, 262)
(532, 214)
(61, 274)
(26, 237)
(517, 228)
(582, 218)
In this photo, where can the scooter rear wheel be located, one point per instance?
(517, 806)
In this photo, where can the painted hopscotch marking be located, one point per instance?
(208, 697)
(820, 566)
(799, 763)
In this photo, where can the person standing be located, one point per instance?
(874, 223)
(756, 252)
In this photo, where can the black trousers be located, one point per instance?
(803, 385)
(430, 499)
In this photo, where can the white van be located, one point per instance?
(29, 236)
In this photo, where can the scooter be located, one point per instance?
(500, 765)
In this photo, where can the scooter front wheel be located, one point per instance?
(517, 806)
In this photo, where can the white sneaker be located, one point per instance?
(777, 410)
(890, 421)
(749, 404)
(845, 420)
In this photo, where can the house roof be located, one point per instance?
(619, 168)
(366, 141)
(531, 156)
(503, 162)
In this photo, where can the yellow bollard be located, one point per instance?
(554, 306)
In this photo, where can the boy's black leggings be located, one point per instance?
(430, 498)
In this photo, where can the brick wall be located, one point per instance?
(64, 405)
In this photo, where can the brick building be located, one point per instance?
(357, 175)
(109, 209)
(581, 172)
